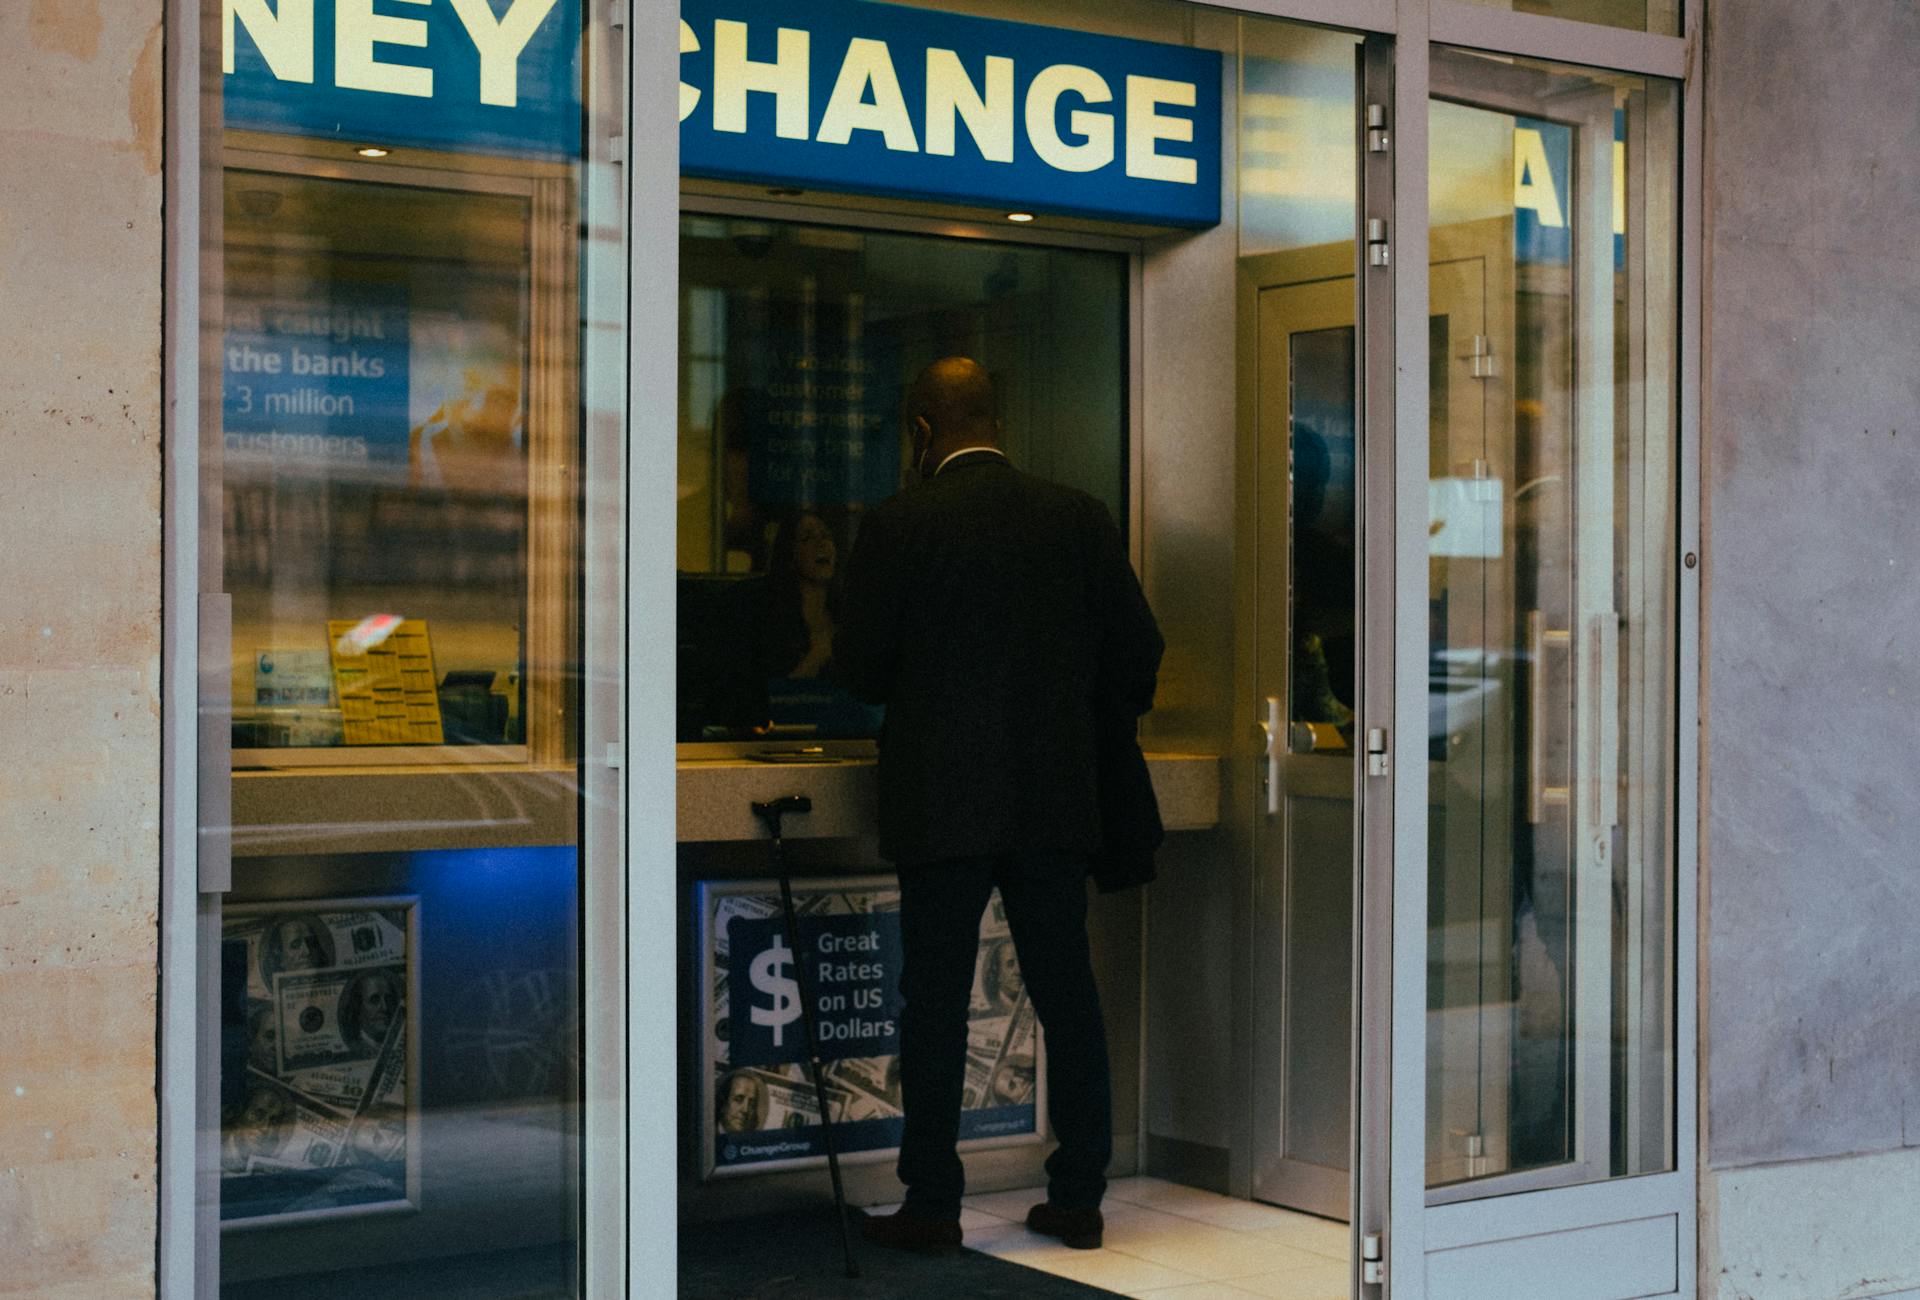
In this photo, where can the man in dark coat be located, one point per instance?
(997, 618)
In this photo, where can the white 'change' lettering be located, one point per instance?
(866, 96)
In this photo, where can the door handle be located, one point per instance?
(1275, 728)
(1539, 793)
(1604, 793)
(215, 743)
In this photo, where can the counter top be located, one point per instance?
(342, 810)
(714, 795)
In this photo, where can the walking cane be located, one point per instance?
(771, 812)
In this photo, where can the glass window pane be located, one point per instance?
(395, 516)
(378, 382)
(798, 343)
(1553, 637)
(1660, 17)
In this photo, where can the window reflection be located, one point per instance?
(1552, 627)
(376, 423)
(1321, 554)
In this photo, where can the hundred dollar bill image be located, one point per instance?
(876, 1076)
(1001, 1052)
(359, 1086)
(986, 1034)
(994, 924)
(1014, 1081)
(791, 1103)
(997, 982)
(297, 940)
(343, 1087)
(864, 1087)
(759, 1100)
(751, 906)
(324, 1116)
(851, 1105)
(1023, 1032)
(336, 1017)
(281, 1130)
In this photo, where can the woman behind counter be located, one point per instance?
(803, 600)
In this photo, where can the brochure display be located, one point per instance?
(387, 694)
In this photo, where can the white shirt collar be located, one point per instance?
(968, 451)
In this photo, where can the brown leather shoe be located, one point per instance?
(1080, 1229)
(903, 1231)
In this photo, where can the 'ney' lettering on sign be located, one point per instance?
(490, 76)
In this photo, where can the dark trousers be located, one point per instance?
(941, 903)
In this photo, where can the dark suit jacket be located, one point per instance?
(997, 618)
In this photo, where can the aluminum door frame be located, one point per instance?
(1395, 339)
(1392, 1129)
(1333, 268)
(188, 1175)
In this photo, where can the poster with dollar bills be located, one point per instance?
(763, 1113)
(319, 1071)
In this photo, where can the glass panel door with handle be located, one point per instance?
(1550, 553)
(1300, 344)
(1302, 305)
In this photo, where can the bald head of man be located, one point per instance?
(951, 406)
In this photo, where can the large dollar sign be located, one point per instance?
(769, 978)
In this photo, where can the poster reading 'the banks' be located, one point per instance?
(764, 1111)
(318, 378)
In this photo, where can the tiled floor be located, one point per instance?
(1168, 1241)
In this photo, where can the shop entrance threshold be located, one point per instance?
(1171, 1242)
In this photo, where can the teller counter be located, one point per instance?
(843, 886)
(716, 794)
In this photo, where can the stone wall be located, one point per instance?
(80, 275)
(1812, 834)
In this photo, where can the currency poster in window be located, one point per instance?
(762, 1112)
(320, 1077)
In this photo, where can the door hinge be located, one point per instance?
(1378, 251)
(1378, 762)
(1378, 141)
(1373, 1259)
(1482, 358)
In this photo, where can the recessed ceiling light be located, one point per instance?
(1022, 217)
(373, 151)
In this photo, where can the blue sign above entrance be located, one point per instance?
(913, 103)
(484, 76)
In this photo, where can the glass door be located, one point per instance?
(1547, 1026)
(1302, 308)
(411, 872)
